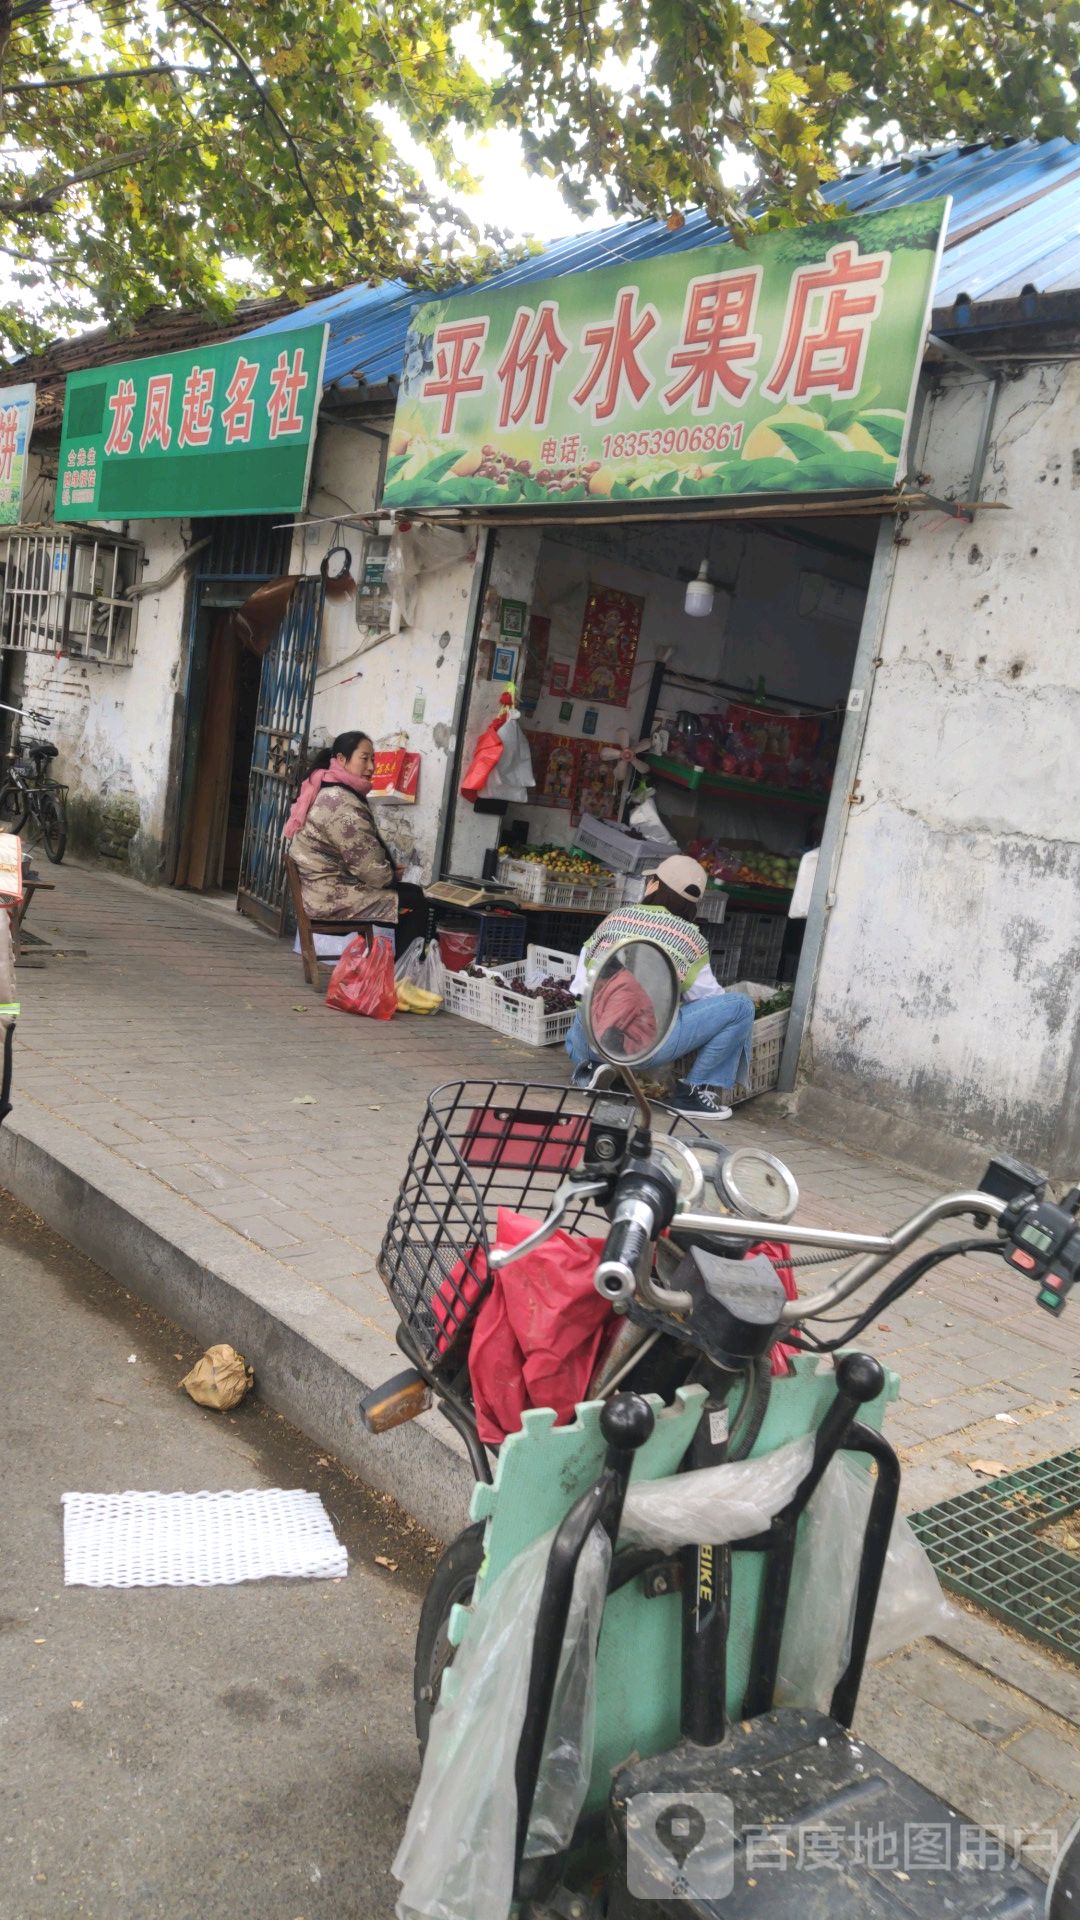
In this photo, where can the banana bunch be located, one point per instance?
(414, 999)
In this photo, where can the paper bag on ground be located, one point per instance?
(220, 1379)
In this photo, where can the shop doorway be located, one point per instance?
(222, 695)
(737, 713)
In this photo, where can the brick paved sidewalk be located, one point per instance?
(185, 1042)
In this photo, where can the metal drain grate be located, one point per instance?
(985, 1544)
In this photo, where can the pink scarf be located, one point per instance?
(322, 777)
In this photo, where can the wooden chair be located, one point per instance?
(308, 928)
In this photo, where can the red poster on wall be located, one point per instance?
(595, 792)
(555, 764)
(608, 646)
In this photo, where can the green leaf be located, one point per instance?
(435, 469)
(760, 476)
(807, 442)
(845, 411)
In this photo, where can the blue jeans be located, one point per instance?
(716, 1031)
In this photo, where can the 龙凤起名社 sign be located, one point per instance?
(787, 366)
(16, 425)
(226, 429)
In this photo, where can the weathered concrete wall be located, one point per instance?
(115, 725)
(948, 997)
(376, 688)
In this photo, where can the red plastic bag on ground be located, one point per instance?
(541, 1330)
(363, 980)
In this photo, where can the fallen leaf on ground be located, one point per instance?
(1007, 1419)
(305, 1100)
(133, 1359)
(382, 1561)
(78, 1705)
(990, 1469)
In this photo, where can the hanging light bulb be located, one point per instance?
(699, 593)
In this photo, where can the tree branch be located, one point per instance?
(211, 27)
(92, 79)
(44, 200)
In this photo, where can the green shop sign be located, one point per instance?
(222, 430)
(787, 367)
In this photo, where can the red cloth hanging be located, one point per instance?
(541, 1330)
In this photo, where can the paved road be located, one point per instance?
(182, 1754)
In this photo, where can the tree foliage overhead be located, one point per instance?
(150, 145)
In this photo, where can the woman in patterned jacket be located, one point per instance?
(347, 871)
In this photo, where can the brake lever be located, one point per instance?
(570, 1189)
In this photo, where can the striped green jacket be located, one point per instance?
(680, 938)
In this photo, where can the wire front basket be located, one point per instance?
(482, 1145)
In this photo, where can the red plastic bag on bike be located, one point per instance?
(363, 980)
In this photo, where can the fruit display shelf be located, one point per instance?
(700, 780)
(559, 879)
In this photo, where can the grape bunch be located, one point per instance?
(555, 994)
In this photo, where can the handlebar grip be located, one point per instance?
(628, 1244)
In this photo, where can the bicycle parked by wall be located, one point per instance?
(32, 803)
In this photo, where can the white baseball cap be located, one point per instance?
(682, 875)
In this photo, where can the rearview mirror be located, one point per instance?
(632, 1003)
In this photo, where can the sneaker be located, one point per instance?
(700, 1103)
(581, 1077)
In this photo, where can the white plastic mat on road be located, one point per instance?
(198, 1539)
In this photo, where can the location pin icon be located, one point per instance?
(679, 1828)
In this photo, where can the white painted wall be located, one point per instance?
(949, 986)
(376, 689)
(114, 724)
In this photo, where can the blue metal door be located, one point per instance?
(286, 691)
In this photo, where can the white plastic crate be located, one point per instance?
(713, 905)
(526, 877)
(521, 1018)
(766, 1044)
(464, 996)
(473, 999)
(531, 880)
(631, 888)
(617, 848)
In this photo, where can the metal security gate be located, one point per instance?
(286, 691)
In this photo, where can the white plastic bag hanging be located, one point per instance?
(421, 964)
(717, 1505)
(423, 549)
(512, 775)
(646, 819)
(456, 1860)
(817, 1631)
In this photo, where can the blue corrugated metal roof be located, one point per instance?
(1015, 224)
